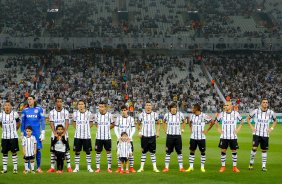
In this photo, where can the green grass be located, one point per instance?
(212, 164)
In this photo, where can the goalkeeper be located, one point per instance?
(33, 116)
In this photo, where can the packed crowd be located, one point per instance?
(246, 78)
(161, 79)
(18, 77)
(96, 77)
(165, 79)
(147, 18)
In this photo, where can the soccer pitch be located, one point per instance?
(212, 175)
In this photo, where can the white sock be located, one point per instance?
(88, 160)
(180, 161)
(5, 162)
(98, 158)
(234, 159)
(131, 161)
(223, 158)
(191, 160)
(109, 158)
(15, 161)
(154, 161)
(252, 156)
(77, 160)
(167, 160)
(203, 160)
(143, 159)
(68, 159)
(26, 166)
(32, 166)
(52, 160)
(264, 158)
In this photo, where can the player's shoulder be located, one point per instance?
(220, 115)
(253, 111)
(191, 115)
(131, 118)
(15, 113)
(25, 109)
(180, 113)
(155, 113)
(65, 111)
(38, 107)
(271, 111)
(236, 112)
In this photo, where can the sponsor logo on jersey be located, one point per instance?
(31, 116)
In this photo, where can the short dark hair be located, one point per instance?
(58, 98)
(8, 101)
(28, 128)
(58, 126)
(124, 107)
(197, 107)
(102, 102)
(81, 101)
(263, 99)
(123, 133)
(172, 105)
(148, 101)
(33, 97)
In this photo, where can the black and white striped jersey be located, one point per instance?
(82, 119)
(9, 125)
(198, 125)
(262, 120)
(148, 121)
(59, 118)
(29, 144)
(124, 149)
(104, 122)
(174, 122)
(125, 124)
(229, 123)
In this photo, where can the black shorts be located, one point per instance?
(78, 144)
(29, 158)
(262, 141)
(132, 147)
(201, 144)
(148, 144)
(173, 142)
(52, 149)
(100, 144)
(232, 143)
(10, 145)
(123, 159)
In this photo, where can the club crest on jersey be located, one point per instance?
(36, 111)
